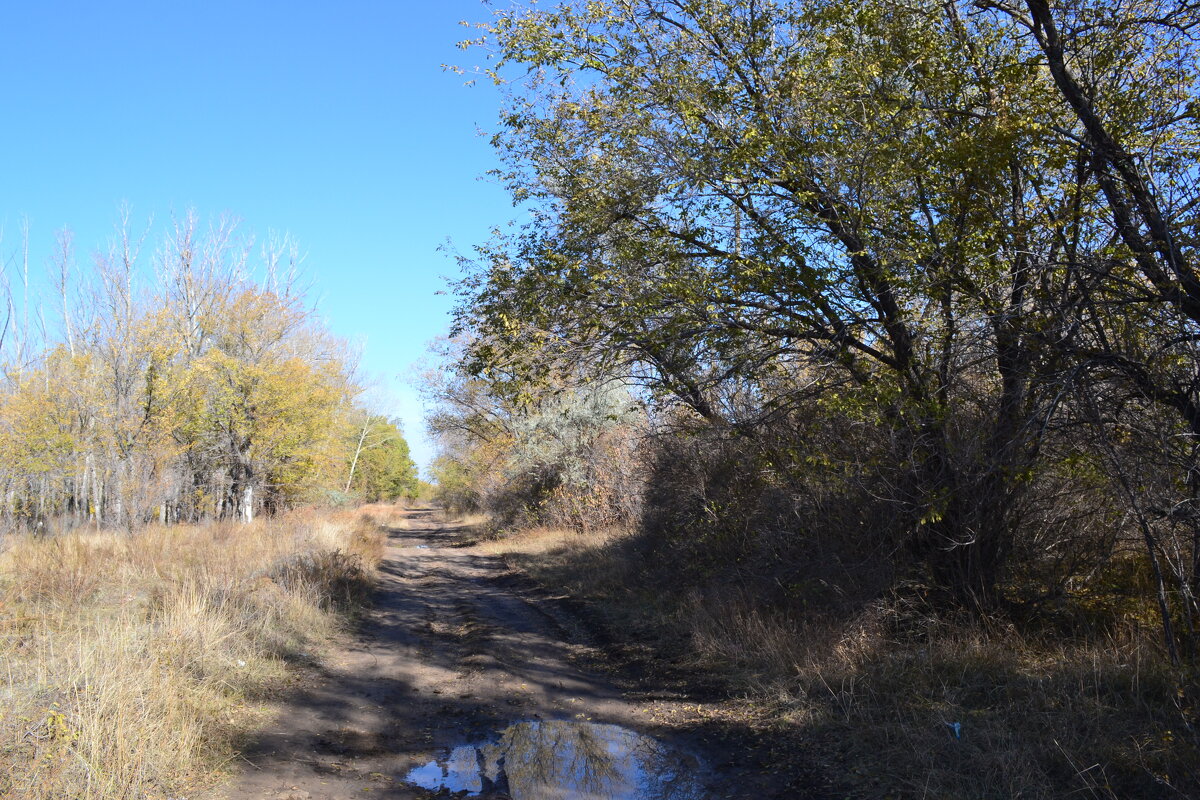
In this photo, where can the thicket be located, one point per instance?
(901, 298)
(567, 457)
(190, 382)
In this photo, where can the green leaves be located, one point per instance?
(888, 209)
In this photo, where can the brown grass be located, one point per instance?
(475, 521)
(130, 663)
(878, 692)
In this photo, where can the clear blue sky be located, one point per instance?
(331, 121)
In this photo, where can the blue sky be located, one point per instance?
(334, 122)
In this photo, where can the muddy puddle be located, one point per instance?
(564, 760)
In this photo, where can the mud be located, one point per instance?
(564, 760)
(457, 660)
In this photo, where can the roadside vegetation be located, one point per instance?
(180, 380)
(132, 665)
(850, 350)
(174, 444)
(890, 699)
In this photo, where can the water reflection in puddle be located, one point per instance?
(565, 761)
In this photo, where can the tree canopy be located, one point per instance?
(194, 391)
(971, 225)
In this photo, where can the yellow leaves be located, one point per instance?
(57, 727)
(262, 395)
(171, 393)
(931, 517)
(39, 427)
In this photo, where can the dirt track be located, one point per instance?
(455, 650)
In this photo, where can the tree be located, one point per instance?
(1124, 73)
(739, 200)
(262, 401)
(201, 393)
(381, 468)
(565, 456)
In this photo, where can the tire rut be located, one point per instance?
(454, 649)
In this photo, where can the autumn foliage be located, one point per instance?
(203, 387)
(905, 301)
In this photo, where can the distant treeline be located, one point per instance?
(165, 382)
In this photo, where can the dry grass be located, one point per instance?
(878, 692)
(536, 542)
(129, 664)
(478, 522)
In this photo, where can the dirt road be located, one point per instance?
(462, 681)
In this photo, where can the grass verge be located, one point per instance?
(895, 702)
(129, 664)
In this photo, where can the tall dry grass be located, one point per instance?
(903, 703)
(129, 664)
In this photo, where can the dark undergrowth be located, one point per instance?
(900, 701)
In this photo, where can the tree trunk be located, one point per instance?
(248, 504)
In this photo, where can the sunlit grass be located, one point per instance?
(129, 664)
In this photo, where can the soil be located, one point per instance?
(455, 648)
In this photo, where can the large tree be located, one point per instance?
(743, 199)
(194, 391)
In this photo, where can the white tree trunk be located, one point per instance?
(248, 504)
